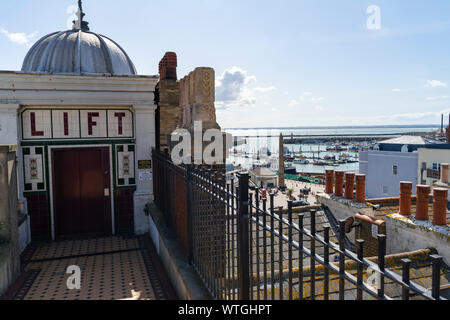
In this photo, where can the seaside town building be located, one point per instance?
(430, 160)
(390, 162)
(85, 123)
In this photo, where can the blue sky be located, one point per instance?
(278, 63)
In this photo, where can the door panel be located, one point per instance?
(80, 178)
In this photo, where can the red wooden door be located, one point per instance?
(82, 191)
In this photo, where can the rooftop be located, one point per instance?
(409, 140)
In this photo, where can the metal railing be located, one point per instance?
(244, 248)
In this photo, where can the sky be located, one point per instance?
(277, 62)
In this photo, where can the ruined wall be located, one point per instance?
(181, 103)
(197, 96)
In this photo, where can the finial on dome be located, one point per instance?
(80, 24)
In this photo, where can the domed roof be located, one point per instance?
(78, 51)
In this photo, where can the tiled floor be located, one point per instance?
(112, 268)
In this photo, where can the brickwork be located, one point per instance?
(168, 67)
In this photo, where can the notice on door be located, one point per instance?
(145, 175)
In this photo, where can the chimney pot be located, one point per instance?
(423, 199)
(405, 198)
(329, 186)
(349, 185)
(339, 183)
(440, 196)
(360, 188)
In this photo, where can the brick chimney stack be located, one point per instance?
(168, 67)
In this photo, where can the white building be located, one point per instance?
(264, 178)
(84, 121)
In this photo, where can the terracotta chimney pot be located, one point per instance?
(423, 198)
(440, 206)
(405, 198)
(339, 183)
(360, 188)
(349, 185)
(329, 186)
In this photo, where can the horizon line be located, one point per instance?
(341, 127)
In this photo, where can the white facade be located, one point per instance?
(385, 170)
(430, 161)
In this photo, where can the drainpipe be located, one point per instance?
(423, 199)
(405, 198)
(365, 218)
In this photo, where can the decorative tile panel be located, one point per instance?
(120, 124)
(125, 165)
(93, 124)
(66, 124)
(37, 124)
(45, 124)
(34, 168)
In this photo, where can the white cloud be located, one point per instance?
(319, 108)
(267, 89)
(399, 90)
(318, 99)
(436, 98)
(307, 93)
(71, 11)
(435, 84)
(20, 38)
(233, 89)
(293, 103)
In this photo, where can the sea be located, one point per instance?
(262, 139)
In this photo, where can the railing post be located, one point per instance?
(406, 267)
(436, 276)
(243, 238)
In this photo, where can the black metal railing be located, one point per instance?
(244, 248)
